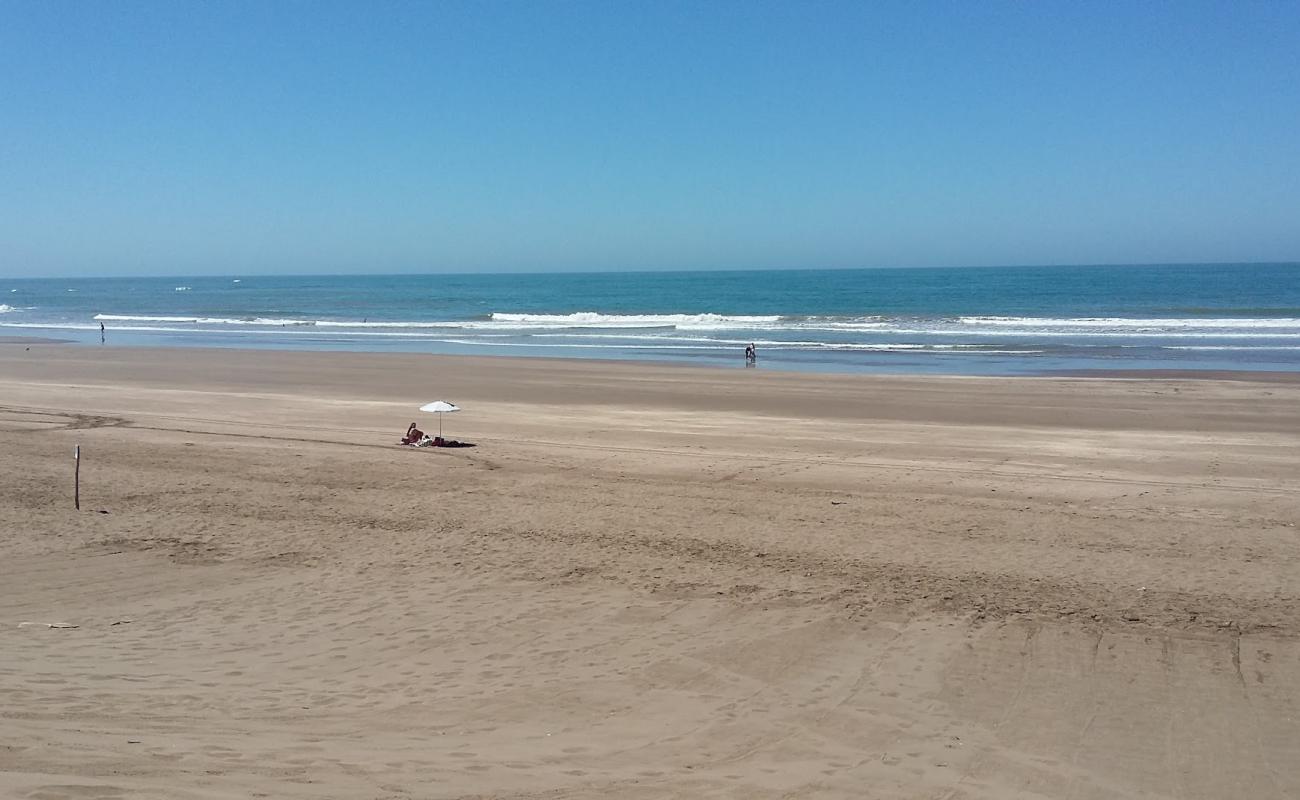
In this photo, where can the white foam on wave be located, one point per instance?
(805, 324)
(203, 320)
(499, 322)
(592, 319)
(977, 325)
(482, 343)
(280, 323)
(5, 309)
(1095, 333)
(688, 322)
(357, 325)
(1253, 348)
(626, 342)
(671, 337)
(135, 318)
(299, 330)
(719, 334)
(329, 323)
(182, 289)
(855, 325)
(58, 326)
(705, 323)
(667, 343)
(1135, 322)
(945, 349)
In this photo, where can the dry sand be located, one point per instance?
(644, 582)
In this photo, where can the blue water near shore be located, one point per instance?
(990, 321)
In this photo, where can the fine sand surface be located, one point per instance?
(643, 582)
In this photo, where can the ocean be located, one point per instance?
(973, 321)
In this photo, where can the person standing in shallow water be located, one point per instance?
(101, 333)
(751, 357)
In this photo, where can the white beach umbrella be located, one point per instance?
(440, 407)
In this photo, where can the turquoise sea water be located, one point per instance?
(1012, 320)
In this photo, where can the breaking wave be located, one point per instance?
(1136, 322)
(592, 319)
(980, 326)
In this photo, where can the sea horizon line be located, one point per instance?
(664, 271)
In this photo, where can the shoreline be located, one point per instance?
(1041, 401)
(1242, 375)
(34, 340)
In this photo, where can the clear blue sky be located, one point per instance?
(287, 137)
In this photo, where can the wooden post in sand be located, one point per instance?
(76, 478)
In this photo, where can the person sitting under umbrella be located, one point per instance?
(413, 435)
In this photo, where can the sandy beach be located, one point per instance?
(643, 581)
